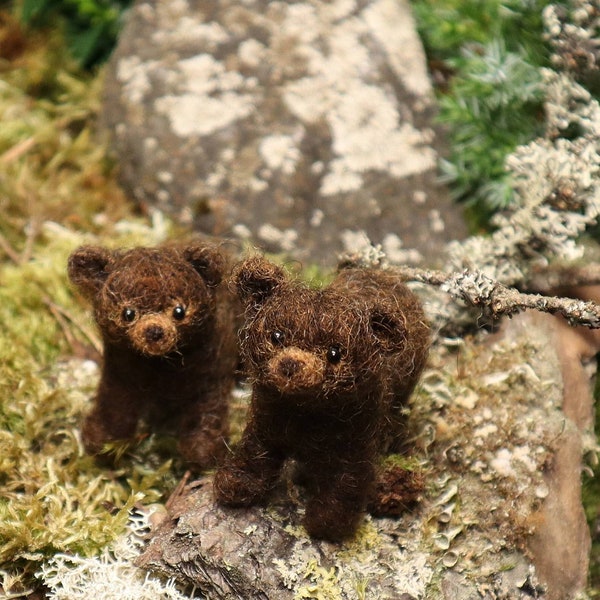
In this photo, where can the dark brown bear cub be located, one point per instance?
(169, 337)
(331, 370)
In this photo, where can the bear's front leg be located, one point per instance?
(113, 417)
(204, 428)
(339, 501)
(250, 474)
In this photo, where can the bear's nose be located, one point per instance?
(289, 366)
(154, 333)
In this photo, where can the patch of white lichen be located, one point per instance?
(324, 72)
(369, 566)
(556, 179)
(112, 575)
(368, 128)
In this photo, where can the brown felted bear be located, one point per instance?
(331, 371)
(170, 352)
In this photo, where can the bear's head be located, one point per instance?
(152, 300)
(312, 343)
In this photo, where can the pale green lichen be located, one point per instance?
(492, 432)
(359, 568)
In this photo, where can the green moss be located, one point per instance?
(311, 273)
(91, 26)
(53, 166)
(57, 191)
(434, 588)
(54, 498)
(412, 463)
(486, 57)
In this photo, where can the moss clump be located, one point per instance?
(53, 167)
(53, 497)
(57, 191)
(90, 26)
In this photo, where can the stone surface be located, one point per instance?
(293, 125)
(498, 520)
(561, 548)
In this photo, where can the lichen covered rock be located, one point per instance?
(488, 429)
(296, 125)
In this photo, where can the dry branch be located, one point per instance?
(25, 256)
(64, 320)
(18, 150)
(497, 300)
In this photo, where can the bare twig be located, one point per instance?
(497, 300)
(31, 232)
(9, 250)
(60, 319)
(18, 150)
(63, 318)
(180, 491)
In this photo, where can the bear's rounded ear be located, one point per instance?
(256, 279)
(207, 261)
(88, 268)
(389, 327)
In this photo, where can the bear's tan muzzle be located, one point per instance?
(154, 335)
(295, 370)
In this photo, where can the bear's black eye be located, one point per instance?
(128, 314)
(334, 354)
(278, 337)
(179, 312)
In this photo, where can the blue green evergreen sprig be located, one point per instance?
(491, 100)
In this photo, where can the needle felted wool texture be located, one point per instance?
(331, 370)
(168, 327)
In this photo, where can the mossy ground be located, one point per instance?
(57, 190)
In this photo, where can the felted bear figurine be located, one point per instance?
(170, 351)
(331, 370)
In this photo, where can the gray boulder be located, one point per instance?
(296, 126)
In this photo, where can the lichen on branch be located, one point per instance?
(496, 300)
(556, 197)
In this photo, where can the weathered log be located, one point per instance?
(263, 553)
